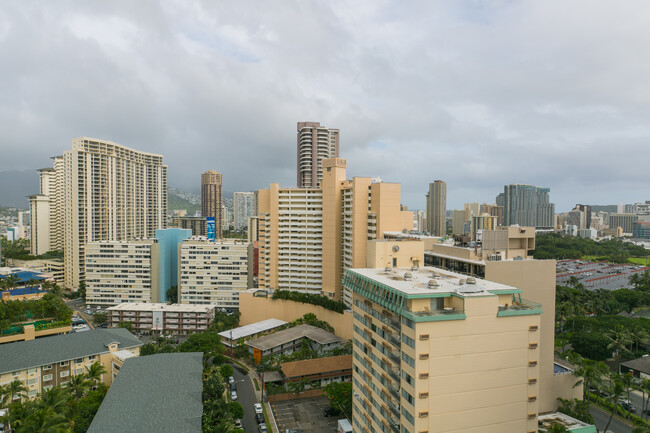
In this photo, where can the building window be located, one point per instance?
(64, 363)
(32, 393)
(47, 377)
(424, 356)
(410, 361)
(32, 381)
(47, 367)
(64, 374)
(408, 340)
(78, 360)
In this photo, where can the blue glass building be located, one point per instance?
(169, 240)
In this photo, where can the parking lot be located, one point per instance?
(305, 415)
(597, 275)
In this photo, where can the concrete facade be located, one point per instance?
(212, 199)
(315, 143)
(437, 208)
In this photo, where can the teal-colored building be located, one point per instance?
(169, 239)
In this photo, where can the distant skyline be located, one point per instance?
(477, 95)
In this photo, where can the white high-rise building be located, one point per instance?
(315, 143)
(243, 208)
(97, 191)
(212, 272)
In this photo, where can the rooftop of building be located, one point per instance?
(310, 367)
(24, 275)
(168, 308)
(252, 329)
(415, 282)
(572, 424)
(23, 291)
(639, 364)
(58, 348)
(279, 338)
(409, 235)
(155, 393)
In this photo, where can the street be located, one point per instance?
(601, 418)
(78, 307)
(247, 397)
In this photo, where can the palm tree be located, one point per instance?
(54, 398)
(44, 420)
(78, 385)
(9, 392)
(639, 335)
(620, 338)
(95, 372)
(556, 427)
(616, 390)
(591, 372)
(645, 389)
(12, 281)
(628, 383)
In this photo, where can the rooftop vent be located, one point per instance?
(408, 275)
(414, 268)
(433, 284)
(462, 281)
(388, 269)
(471, 280)
(435, 274)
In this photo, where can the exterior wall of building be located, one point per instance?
(212, 273)
(212, 199)
(536, 279)
(119, 272)
(257, 308)
(197, 225)
(623, 220)
(253, 234)
(401, 254)
(458, 222)
(526, 205)
(168, 239)
(483, 222)
(337, 216)
(509, 242)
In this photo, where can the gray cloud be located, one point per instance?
(477, 94)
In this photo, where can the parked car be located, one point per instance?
(233, 395)
(233, 387)
(330, 411)
(262, 428)
(627, 405)
(259, 417)
(238, 423)
(258, 408)
(231, 380)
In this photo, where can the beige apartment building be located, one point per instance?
(160, 318)
(315, 143)
(212, 199)
(482, 222)
(98, 190)
(436, 351)
(506, 258)
(309, 236)
(47, 362)
(212, 272)
(458, 222)
(119, 272)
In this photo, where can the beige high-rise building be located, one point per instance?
(458, 222)
(243, 208)
(437, 208)
(308, 237)
(471, 209)
(99, 190)
(482, 222)
(212, 272)
(436, 351)
(212, 200)
(314, 144)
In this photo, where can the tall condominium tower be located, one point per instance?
(437, 208)
(98, 191)
(212, 199)
(526, 205)
(315, 143)
(436, 351)
(309, 236)
(243, 208)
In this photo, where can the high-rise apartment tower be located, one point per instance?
(243, 208)
(526, 205)
(97, 191)
(315, 143)
(437, 208)
(212, 199)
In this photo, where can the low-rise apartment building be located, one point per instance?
(178, 319)
(212, 273)
(47, 362)
(436, 351)
(319, 372)
(289, 340)
(232, 337)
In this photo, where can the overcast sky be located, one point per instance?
(476, 93)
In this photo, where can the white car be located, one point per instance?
(231, 380)
(258, 408)
(233, 395)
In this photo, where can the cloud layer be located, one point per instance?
(478, 94)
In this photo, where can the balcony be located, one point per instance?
(519, 307)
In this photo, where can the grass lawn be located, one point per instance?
(639, 260)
